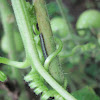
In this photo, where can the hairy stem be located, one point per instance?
(25, 28)
(45, 28)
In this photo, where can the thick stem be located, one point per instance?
(8, 25)
(45, 28)
(25, 28)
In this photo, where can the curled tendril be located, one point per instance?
(83, 48)
(16, 64)
(54, 54)
(37, 83)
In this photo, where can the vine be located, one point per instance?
(41, 77)
(45, 29)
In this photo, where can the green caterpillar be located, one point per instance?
(39, 78)
(36, 82)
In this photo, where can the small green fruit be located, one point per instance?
(18, 43)
(58, 26)
(4, 45)
(89, 18)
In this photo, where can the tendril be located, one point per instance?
(16, 64)
(54, 54)
(37, 83)
(83, 48)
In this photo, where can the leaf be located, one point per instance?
(52, 8)
(3, 77)
(31, 12)
(86, 93)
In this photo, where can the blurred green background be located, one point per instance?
(80, 57)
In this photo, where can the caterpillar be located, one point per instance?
(37, 83)
(43, 46)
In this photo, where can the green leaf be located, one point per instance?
(52, 8)
(86, 93)
(31, 12)
(3, 77)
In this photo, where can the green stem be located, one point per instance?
(53, 55)
(72, 52)
(45, 28)
(61, 7)
(25, 28)
(8, 25)
(16, 64)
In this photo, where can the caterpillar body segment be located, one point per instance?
(39, 85)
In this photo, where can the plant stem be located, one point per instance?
(45, 28)
(21, 65)
(64, 15)
(26, 31)
(8, 25)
